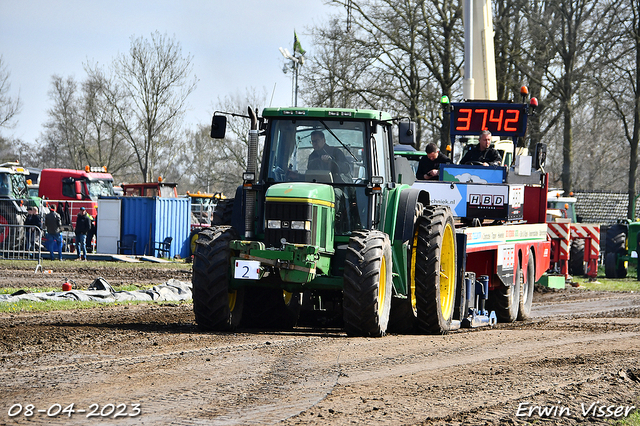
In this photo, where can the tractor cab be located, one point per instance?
(349, 151)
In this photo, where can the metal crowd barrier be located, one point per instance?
(21, 242)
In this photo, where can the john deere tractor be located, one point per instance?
(327, 233)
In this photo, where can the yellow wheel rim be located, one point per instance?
(287, 296)
(412, 277)
(447, 272)
(194, 238)
(233, 295)
(383, 286)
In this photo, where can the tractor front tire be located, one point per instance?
(434, 270)
(367, 284)
(216, 307)
(223, 212)
(527, 284)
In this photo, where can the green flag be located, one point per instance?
(296, 45)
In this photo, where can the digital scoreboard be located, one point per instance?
(501, 119)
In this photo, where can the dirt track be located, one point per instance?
(581, 348)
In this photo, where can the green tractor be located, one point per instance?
(322, 230)
(620, 240)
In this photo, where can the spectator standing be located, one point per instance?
(83, 226)
(33, 235)
(53, 223)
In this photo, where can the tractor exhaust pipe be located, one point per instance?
(250, 176)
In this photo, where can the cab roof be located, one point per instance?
(290, 112)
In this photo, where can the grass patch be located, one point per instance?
(61, 305)
(632, 420)
(630, 283)
(70, 264)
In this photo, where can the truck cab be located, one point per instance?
(73, 189)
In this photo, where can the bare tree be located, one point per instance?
(400, 56)
(217, 165)
(9, 107)
(64, 127)
(581, 35)
(620, 81)
(148, 91)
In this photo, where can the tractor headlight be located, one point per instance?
(274, 224)
(301, 224)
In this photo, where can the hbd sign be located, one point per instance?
(491, 203)
(486, 200)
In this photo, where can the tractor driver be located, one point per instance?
(325, 157)
(482, 153)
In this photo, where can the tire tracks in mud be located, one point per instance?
(250, 383)
(481, 377)
(302, 377)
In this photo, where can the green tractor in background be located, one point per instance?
(620, 240)
(327, 234)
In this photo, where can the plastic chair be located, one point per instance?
(163, 247)
(128, 242)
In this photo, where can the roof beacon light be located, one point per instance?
(533, 104)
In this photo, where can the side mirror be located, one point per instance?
(218, 126)
(407, 133)
(540, 155)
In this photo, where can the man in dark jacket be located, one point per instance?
(429, 166)
(483, 153)
(83, 226)
(34, 223)
(53, 223)
(325, 157)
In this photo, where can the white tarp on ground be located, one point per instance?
(101, 291)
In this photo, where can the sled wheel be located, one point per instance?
(527, 284)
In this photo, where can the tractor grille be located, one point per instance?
(286, 212)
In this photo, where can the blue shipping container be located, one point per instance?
(152, 219)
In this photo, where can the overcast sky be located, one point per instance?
(234, 45)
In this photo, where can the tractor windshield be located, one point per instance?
(13, 185)
(335, 155)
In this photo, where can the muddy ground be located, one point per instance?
(577, 358)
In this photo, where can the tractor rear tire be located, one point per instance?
(223, 212)
(616, 246)
(434, 270)
(527, 284)
(215, 306)
(611, 267)
(577, 265)
(403, 310)
(368, 283)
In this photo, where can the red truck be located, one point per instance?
(72, 189)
